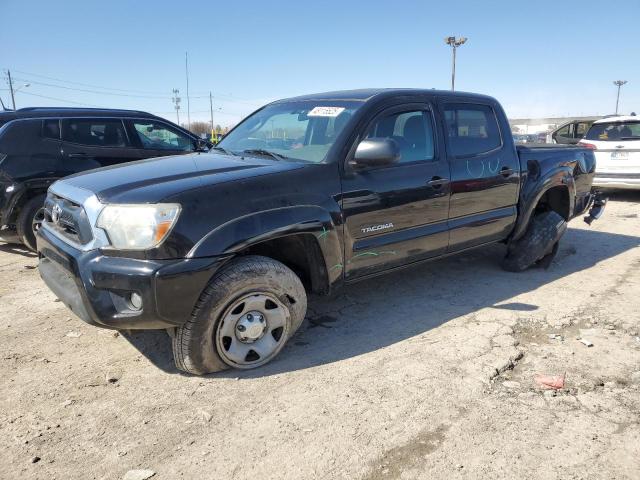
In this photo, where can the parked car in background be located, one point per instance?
(569, 133)
(40, 145)
(616, 142)
(222, 249)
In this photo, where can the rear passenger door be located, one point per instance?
(154, 138)
(484, 175)
(95, 142)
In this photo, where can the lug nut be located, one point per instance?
(241, 328)
(249, 317)
(261, 319)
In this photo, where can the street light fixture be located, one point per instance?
(454, 43)
(21, 87)
(619, 84)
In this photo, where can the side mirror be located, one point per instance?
(376, 152)
(201, 145)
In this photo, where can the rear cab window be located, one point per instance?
(95, 132)
(472, 129)
(614, 131)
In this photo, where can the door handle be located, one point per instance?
(506, 171)
(437, 182)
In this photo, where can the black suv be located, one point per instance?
(40, 145)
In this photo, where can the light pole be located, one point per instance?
(619, 84)
(454, 43)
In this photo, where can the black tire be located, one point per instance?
(196, 343)
(29, 220)
(538, 244)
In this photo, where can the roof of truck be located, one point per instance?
(366, 94)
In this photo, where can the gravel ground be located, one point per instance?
(425, 373)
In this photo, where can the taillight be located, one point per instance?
(590, 146)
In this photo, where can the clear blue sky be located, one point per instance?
(537, 57)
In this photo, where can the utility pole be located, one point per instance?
(176, 103)
(13, 98)
(211, 107)
(186, 69)
(619, 84)
(454, 43)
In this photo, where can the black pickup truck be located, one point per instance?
(305, 194)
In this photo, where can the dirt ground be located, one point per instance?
(425, 373)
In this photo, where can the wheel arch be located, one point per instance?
(305, 238)
(555, 191)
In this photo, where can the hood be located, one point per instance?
(152, 180)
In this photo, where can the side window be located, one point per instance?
(94, 132)
(157, 136)
(51, 129)
(413, 131)
(581, 129)
(471, 129)
(564, 132)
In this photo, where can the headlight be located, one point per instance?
(138, 227)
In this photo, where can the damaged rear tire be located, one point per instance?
(539, 244)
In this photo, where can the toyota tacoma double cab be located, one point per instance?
(304, 195)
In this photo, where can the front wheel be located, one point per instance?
(30, 220)
(243, 318)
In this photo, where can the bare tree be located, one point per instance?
(200, 128)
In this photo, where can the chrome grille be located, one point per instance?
(68, 219)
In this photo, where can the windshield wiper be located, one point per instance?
(260, 151)
(224, 150)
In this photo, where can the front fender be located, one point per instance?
(534, 190)
(243, 232)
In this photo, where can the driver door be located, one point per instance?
(397, 214)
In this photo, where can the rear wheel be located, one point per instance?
(30, 220)
(243, 319)
(538, 245)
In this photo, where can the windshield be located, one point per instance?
(291, 130)
(614, 131)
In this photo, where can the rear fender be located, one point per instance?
(244, 232)
(534, 190)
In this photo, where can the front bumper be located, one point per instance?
(96, 286)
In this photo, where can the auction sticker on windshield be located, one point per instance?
(325, 111)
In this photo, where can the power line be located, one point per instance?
(86, 84)
(92, 91)
(62, 100)
(160, 97)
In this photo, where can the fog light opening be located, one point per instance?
(135, 301)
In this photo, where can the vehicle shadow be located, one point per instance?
(17, 249)
(385, 310)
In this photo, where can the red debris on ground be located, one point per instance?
(553, 382)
